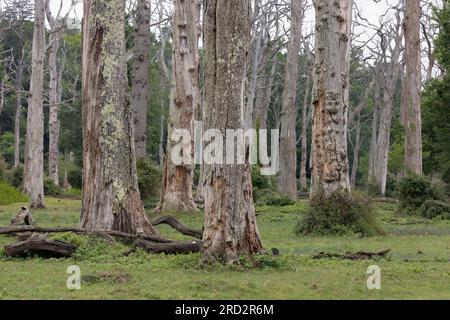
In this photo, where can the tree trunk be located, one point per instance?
(18, 88)
(140, 88)
(356, 149)
(111, 199)
(373, 145)
(287, 180)
(230, 223)
(33, 176)
(330, 95)
(53, 92)
(185, 101)
(413, 117)
(304, 133)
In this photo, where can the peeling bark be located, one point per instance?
(33, 177)
(230, 223)
(185, 101)
(111, 199)
(330, 95)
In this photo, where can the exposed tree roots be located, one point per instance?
(177, 225)
(169, 248)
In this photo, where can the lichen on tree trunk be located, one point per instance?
(230, 223)
(111, 199)
(330, 95)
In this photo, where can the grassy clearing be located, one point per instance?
(417, 267)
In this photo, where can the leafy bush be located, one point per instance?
(51, 189)
(10, 195)
(339, 214)
(414, 190)
(150, 175)
(431, 209)
(15, 177)
(75, 178)
(391, 187)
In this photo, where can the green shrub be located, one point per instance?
(150, 175)
(339, 214)
(75, 178)
(3, 169)
(259, 181)
(15, 177)
(431, 209)
(51, 189)
(391, 187)
(269, 197)
(415, 190)
(10, 195)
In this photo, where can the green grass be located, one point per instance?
(9, 195)
(418, 266)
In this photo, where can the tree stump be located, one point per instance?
(23, 218)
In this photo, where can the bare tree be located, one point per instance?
(230, 223)
(330, 96)
(33, 177)
(111, 198)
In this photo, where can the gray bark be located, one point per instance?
(33, 177)
(287, 180)
(18, 88)
(230, 223)
(330, 96)
(140, 88)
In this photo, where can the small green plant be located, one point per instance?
(415, 190)
(15, 177)
(339, 214)
(432, 209)
(10, 195)
(75, 178)
(150, 175)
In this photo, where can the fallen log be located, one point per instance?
(41, 246)
(361, 255)
(177, 225)
(24, 229)
(169, 248)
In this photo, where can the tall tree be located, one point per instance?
(412, 88)
(185, 101)
(111, 198)
(230, 223)
(33, 177)
(57, 25)
(287, 180)
(140, 88)
(330, 95)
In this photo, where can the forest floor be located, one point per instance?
(418, 266)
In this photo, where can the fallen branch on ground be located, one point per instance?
(169, 248)
(177, 225)
(361, 255)
(41, 246)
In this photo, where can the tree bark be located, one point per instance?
(185, 101)
(413, 117)
(304, 133)
(18, 87)
(373, 145)
(111, 198)
(330, 96)
(33, 178)
(287, 180)
(230, 223)
(140, 87)
(356, 149)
